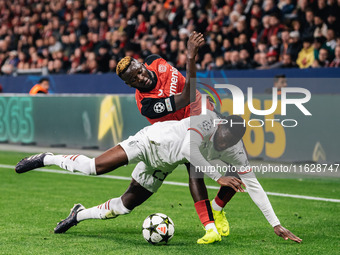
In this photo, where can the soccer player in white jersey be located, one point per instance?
(213, 139)
(159, 149)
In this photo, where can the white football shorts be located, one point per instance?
(137, 149)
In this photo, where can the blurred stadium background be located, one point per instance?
(77, 44)
(85, 39)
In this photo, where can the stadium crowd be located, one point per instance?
(91, 36)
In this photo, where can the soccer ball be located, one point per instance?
(158, 228)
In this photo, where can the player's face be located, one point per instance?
(223, 139)
(220, 141)
(45, 85)
(137, 76)
(281, 83)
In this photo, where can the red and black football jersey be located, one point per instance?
(158, 104)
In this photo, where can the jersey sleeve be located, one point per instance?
(155, 108)
(237, 157)
(259, 197)
(191, 152)
(203, 125)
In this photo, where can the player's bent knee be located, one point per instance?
(85, 165)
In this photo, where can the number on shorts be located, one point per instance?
(159, 175)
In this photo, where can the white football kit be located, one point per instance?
(160, 148)
(198, 148)
(157, 150)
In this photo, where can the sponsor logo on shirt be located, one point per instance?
(174, 81)
(132, 143)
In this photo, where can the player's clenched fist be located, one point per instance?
(195, 41)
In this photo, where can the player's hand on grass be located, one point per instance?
(231, 182)
(195, 41)
(286, 234)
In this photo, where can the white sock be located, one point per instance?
(110, 209)
(211, 226)
(72, 163)
(215, 206)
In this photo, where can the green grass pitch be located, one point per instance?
(32, 203)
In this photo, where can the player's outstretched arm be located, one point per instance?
(195, 41)
(286, 234)
(260, 198)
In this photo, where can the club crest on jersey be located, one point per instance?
(159, 107)
(162, 68)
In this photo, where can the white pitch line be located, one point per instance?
(177, 184)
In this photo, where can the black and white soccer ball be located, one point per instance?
(158, 228)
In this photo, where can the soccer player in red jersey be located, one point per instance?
(162, 93)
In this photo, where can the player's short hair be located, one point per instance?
(278, 77)
(236, 126)
(44, 79)
(123, 65)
